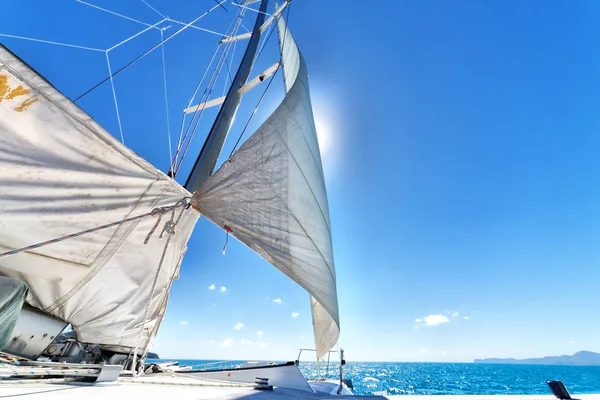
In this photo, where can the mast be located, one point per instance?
(207, 159)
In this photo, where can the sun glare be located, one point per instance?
(323, 136)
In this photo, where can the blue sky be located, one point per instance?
(461, 153)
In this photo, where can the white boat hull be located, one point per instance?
(280, 375)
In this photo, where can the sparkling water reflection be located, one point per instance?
(444, 378)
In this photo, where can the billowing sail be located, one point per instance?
(271, 195)
(61, 173)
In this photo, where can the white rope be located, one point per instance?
(170, 37)
(249, 8)
(137, 34)
(211, 84)
(164, 65)
(191, 24)
(229, 29)
(179, 142)
(173, 224)
(112, 12)
(203, 76)
(228, 76)
(112, 84)
(223, 59)
(265, 39)
(49, 42)
(197, 27)
(158, 12)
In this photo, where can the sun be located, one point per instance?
(323, 136)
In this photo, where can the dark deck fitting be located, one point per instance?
(559, 390)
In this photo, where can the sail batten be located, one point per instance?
(271, 195)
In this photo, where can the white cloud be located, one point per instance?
(295, 314)
(277, 300)
(223, 289)
(211, 341)
(211, 287)
(260, 333)
(301, 337)
(433, 320)
(238, 326)
(455, 314)
(466, 318)
(423, 350)
(572, 342)
(184, 322)
(227, 342)
(444, 352)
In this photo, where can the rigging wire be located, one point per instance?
(50, 42)
(174, 160)
(137, 34)
(197, 27)
(229, 63)
(112, 12)
(258, 104)
(181, 134)
(229, 29)
(164, 65)
(220, 5)
(205, 96)
(266, 88)
(253, 113)
(267, 37)
(251, 9)
(144, 54)
(158, 12)
(198, 113)
(112, 85)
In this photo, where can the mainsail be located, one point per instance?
(60, 172)
(271, 195)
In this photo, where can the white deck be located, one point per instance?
(187, 389)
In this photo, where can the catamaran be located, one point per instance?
(92, 235)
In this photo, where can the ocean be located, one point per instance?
(381, 378)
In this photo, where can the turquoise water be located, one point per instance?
(446, 378)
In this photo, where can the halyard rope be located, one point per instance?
(158, 211)
(170, 229)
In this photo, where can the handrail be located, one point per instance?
(342, 362)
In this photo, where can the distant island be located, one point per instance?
(153, 356)
(579, 358)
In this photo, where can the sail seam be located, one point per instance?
(294, 215)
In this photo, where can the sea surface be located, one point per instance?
(380, 378)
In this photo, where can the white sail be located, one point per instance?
(61, 173)
(271, 195)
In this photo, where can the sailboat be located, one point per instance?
(92, 235)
